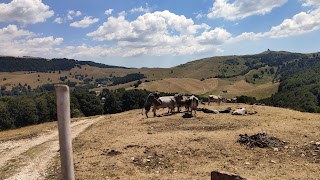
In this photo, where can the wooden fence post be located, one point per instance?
(65, 140)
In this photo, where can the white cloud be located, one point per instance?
(299, 24)
(199, 16)
(19, 42)
(146, 27)
(315, 3)
(240, 9)
(108, 11)
(157, 34)
(141, 9)
(122, 13)
(58, 20)
(25, 11)
(216, 36)
(71, 14)
(85, 22)
(11, 32)
(44, 42)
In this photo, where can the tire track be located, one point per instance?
(48, 143)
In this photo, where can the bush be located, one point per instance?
(246, 99)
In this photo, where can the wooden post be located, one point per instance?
(65, 140)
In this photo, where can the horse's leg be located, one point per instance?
(154, 111)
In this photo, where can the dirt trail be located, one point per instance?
(36, 153)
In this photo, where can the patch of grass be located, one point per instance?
(11, 167)
(54, 171)
(32, 152)
(26, 132)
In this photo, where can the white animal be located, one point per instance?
(217, 99)
(161, 102)
(193, 103)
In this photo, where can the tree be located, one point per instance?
(246, 99)
(23, 111)
(43, 111)
(51, 104)
(111, 105)
(255, 76)
(133, 99)
(89, 103)
(272, 70)
(6, 121)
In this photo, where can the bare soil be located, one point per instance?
(130, 146)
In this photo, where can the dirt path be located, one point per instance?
(31, 157)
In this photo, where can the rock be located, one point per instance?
(273, 161)
(215, 175)
(275, 149)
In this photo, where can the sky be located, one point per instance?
(156, 33)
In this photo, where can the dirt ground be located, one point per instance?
(130, 146)
(27, 153)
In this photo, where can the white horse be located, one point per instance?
(157, 103)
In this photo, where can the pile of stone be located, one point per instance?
(261, 140)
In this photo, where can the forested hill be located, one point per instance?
(12, 64)
(299, 86)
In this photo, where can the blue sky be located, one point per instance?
(158, 33)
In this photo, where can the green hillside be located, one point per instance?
(299, 86)
(13, 64)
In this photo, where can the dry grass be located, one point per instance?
(26, 132)
(129, 146)
(33, 130)
(36, 79)
(182, 85)
(211, 86)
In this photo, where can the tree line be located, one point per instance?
(13, 64)
(19, 111)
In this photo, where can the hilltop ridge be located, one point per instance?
(37, 64)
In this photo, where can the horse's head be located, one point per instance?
(178, 97)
